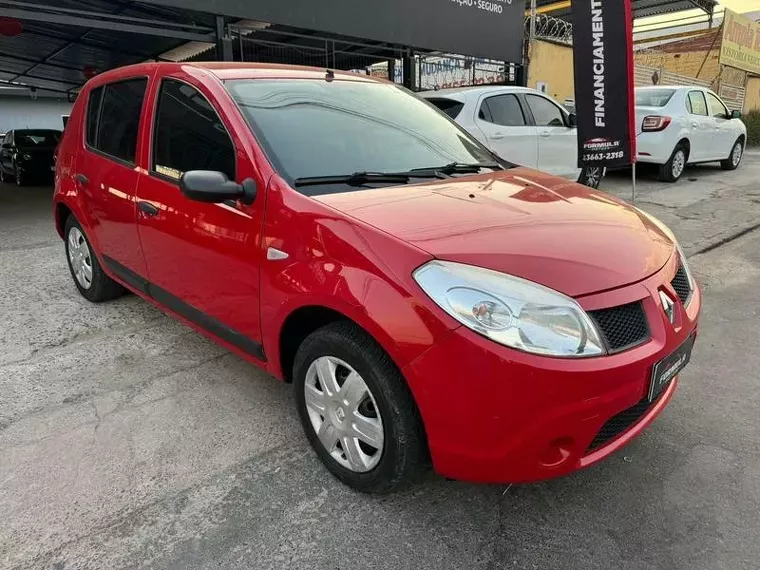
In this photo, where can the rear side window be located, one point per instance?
(449, 106)
(93, 112)
(696, 103)
(189, 134)
(503, 110)
(113, 128)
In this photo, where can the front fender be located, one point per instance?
(343, 265)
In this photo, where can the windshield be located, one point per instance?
(653, 97)
(37, 139)
(327, 128)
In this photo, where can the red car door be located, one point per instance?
(106, 171)
(202, 259)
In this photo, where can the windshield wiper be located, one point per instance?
(362, 178)
(459, 168)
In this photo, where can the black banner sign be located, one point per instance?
(604, 97)
(483, 28)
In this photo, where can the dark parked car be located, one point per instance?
(27, 154)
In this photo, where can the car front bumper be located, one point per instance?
(493, 414)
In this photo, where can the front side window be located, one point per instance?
(504, 110)
(189, 134)
(696, 103)
(546, 113)
(716, 106)
(312, 128)
(119, 119)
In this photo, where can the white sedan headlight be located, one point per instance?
(511, 311)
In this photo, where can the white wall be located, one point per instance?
(23, 112)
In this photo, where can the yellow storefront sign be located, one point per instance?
(740, 47)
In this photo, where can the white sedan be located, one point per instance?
(522, 125)
(676, 126)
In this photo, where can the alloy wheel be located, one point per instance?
(679, 162)
(344, 414)
(736, 154)
(593, 176)
(80, 258)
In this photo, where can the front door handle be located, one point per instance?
(545, 133)
(82, 179)
(147, 208)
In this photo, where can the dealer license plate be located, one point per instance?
(667, 368)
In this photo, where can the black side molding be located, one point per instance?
(195, 316)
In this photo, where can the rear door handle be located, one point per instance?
(497, 136)
(545, 133)
(82, 179)
(695, 125)
(147, 208)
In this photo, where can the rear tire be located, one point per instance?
(88, 275)
(735, 158)
(673, 169)
(333, 414)
(591, 176)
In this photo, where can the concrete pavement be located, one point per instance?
(129, 441)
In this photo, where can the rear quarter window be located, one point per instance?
(449, 106)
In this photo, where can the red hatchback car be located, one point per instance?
(428, 300)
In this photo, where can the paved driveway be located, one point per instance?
(129, 441)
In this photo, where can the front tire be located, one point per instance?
(20, 177)
(735, 158)
(591, 176)
(88, 275)
(673, 169)
(357, 411)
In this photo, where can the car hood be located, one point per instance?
(522, 222)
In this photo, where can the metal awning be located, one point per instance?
(641, 8)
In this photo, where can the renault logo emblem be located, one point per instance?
(668, 306)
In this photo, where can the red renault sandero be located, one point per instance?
(429, 300)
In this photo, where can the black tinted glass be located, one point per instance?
(120, 118)
(505, 110)
(93, 111)
(320, 128)
(37, 138)
(546, 113)
(449, 106)
(189, 134)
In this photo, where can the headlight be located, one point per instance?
(511, 311)
(26, 156)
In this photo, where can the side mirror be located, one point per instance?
(572, 120)
(736, 114)
(214, 187)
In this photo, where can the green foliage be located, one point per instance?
(752, 120)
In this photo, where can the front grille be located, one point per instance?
(681, 284)
(619, 423)
(622, 327)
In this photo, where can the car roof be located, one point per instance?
(674, 87)
(234, 70)
(477, 89)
